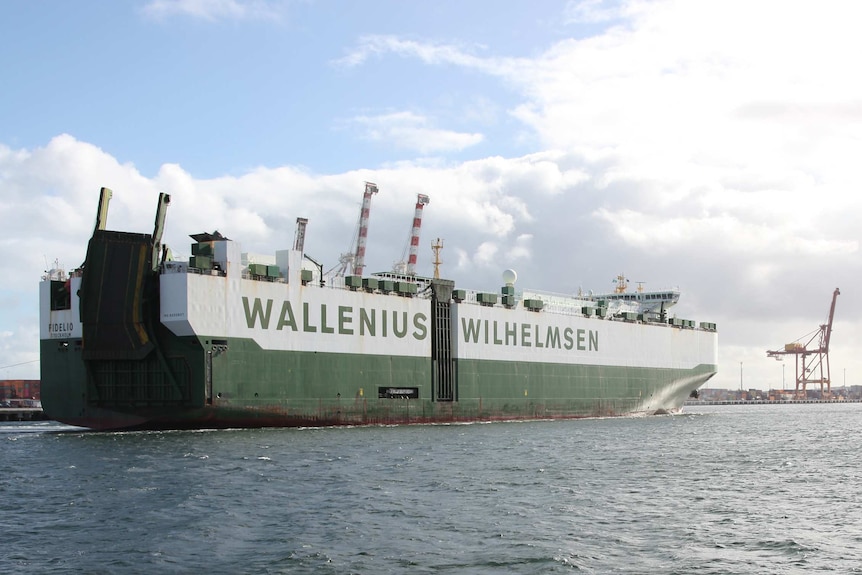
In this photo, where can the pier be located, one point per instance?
(21, 414)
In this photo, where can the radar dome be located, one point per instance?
(510, 277)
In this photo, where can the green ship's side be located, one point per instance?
(134, 340)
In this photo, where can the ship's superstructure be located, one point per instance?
(134, 339)
(652, 301)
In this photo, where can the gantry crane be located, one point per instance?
(411, 250)
(812, 363)
(353, 261)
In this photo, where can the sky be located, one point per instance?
(705, 145)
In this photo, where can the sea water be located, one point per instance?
(725, 489)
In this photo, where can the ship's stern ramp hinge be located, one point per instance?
(118, 301)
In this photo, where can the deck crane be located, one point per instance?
(409, 267)
(353, 261)
(811, 361)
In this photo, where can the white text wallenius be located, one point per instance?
(371, 322)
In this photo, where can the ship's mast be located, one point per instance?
(436, 247)
(362, 234)
(622, 284)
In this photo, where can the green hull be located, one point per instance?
(252, 387)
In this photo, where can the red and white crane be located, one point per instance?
(412, 248)
(812, 363)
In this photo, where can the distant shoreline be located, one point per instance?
(696, 402)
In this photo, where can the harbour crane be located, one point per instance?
(812, 363)
(353, 261)
(412, 247)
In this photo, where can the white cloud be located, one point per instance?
(413, 131)
(377, 45)
(666, 233)
(521, 250)
(486, 254)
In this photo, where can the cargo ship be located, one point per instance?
(136, 339)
